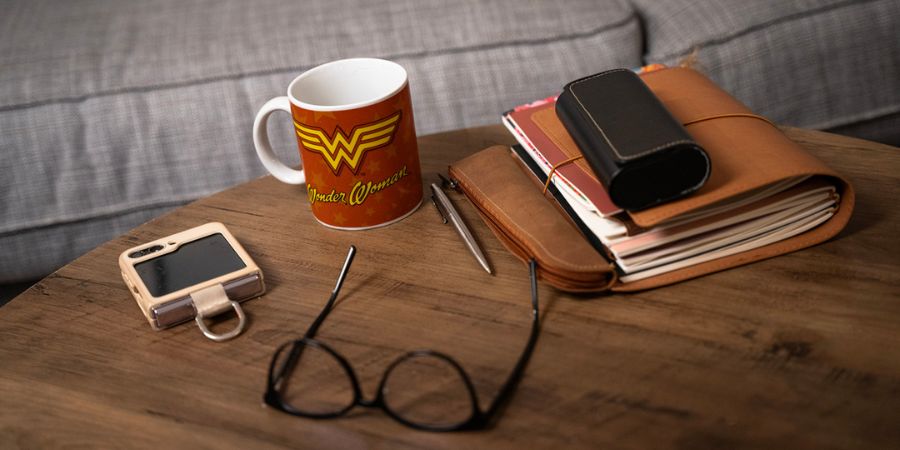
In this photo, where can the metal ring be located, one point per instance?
(242, 320)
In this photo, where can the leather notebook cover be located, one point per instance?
(628, 137)
(746, 153)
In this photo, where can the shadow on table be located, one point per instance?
(9, 291)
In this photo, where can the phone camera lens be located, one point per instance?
(145, 251)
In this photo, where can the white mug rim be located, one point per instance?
(346, 106)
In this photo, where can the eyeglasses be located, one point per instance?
(423, 389)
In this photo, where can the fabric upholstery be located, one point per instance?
(111, 112)
(810, 63)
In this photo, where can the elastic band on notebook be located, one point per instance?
(612, 279)
(719, 116)
(691, 122)
(557, 166)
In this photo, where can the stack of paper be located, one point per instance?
(738, 224)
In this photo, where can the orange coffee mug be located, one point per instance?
(354, 125)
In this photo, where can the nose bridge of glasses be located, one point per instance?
(373, 403)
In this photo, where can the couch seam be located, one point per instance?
(876, 114)
(109, 214)
(753, 28)
(251, 74)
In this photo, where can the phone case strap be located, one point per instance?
(212, 301)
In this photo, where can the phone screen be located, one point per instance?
(192, 263)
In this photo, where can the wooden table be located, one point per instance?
(796, 351)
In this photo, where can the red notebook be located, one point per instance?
(575, 177)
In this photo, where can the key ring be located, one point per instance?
(242, 320)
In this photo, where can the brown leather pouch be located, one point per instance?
(512, 205)
(746, 153)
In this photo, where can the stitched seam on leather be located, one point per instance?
(554, 279)
(239, 76)
(494, 209)
(658, 147)
(600, 129)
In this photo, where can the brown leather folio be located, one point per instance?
(749, 155)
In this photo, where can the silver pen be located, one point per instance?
(449, 212)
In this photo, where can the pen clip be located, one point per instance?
(439, 208)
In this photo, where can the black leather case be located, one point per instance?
(640, 153)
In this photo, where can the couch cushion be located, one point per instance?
(113, 111)
(814, 63)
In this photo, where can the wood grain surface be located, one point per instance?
(799, 351)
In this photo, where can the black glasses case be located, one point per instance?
(641, 154)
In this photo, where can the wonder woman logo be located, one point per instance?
(341, 149)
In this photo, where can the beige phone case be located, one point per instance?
(199, 301)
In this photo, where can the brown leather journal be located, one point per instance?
(747, 153)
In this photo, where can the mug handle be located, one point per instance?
(264, 148)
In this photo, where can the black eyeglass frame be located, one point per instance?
(477, 419)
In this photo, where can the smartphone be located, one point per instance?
(188, 274)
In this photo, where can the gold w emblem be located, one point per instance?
(341, 149)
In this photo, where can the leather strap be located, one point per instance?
(557, 166)
(211, 301)
(691, 122)
(720, 116)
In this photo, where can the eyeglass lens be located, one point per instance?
(428, 390)
(317, 385)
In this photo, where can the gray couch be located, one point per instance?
(114, 112)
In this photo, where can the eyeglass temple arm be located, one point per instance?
(297, 350)
(510, 385)
(311, 331)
